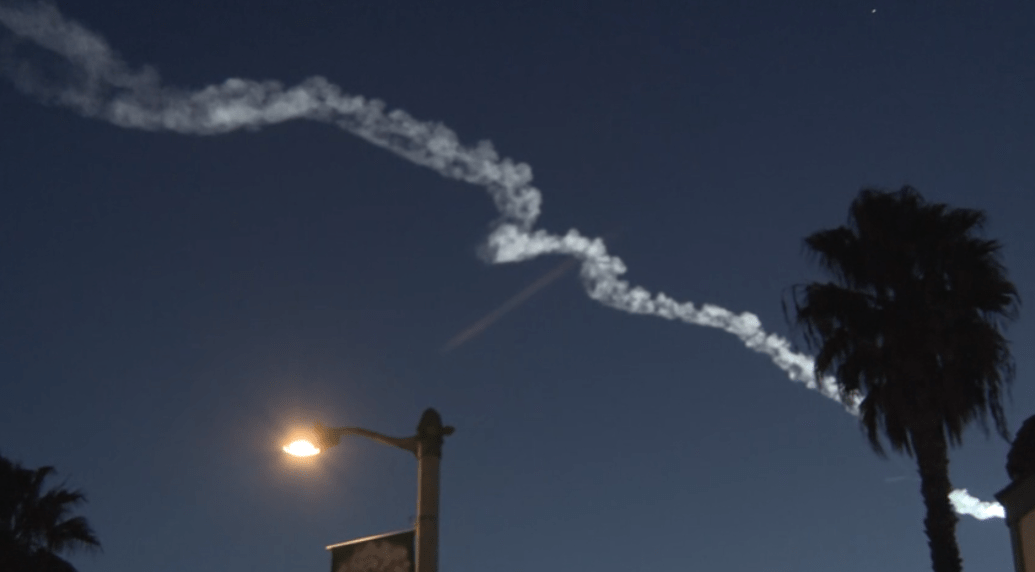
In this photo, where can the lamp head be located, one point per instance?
(301, 448)
(320, 438)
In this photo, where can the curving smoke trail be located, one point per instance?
(97, 84)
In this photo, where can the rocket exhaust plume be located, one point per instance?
(98, 84)
(964, 503)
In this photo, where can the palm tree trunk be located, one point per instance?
(932, 456)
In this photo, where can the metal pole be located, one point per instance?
(427, 446)
(430, 433)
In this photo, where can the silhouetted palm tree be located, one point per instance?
(37, 526)
(913, 323)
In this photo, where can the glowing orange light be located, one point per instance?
(302, 448)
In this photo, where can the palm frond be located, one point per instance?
(913, 318)
(37, 525)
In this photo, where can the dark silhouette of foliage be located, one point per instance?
(913, 322)
(1020, 462)
(37, 526)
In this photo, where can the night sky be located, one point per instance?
(173, 308)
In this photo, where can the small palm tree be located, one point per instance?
(36, 527)
(913, 323)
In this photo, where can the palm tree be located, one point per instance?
(37, 526)
(913, 323)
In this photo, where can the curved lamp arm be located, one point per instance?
(428, 439)
(331, 436)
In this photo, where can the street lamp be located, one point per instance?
(426, 445)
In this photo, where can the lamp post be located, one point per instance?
(426, 445)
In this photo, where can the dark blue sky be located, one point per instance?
(172, 307)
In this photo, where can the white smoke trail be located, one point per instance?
(98, 84)
(975, 507)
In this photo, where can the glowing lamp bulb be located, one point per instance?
(302, 448)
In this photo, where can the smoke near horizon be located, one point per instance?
(96, 83)
(965, 503)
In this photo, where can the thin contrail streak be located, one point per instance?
(515, 301)
(901, 478)
(102, 86)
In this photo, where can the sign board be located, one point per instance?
(392, 552)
